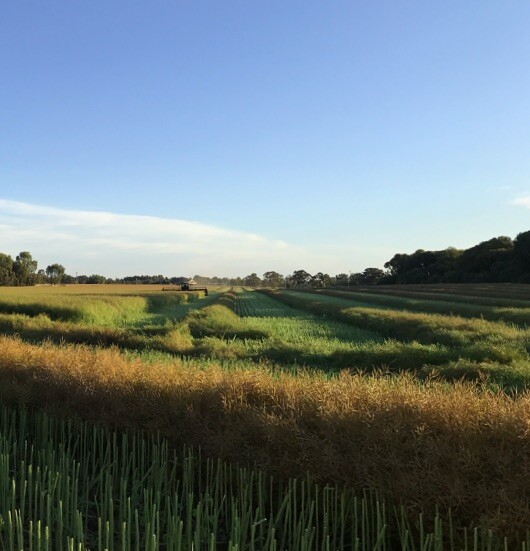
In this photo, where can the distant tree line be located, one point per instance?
(23, 271)
(498, 260)
(302, 278)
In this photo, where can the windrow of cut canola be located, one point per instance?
(453, 346)
(502, 294)
(471, 307)
(443, 294)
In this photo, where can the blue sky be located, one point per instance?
(224, 138)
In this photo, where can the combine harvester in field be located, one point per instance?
(191, 285)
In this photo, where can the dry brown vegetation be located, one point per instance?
(427, 445)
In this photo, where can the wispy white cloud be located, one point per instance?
(522, 201)
(117, 244)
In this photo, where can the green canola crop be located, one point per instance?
(67, 485)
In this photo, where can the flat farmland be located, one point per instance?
(139, 418)
(504, 309)
(500, 293)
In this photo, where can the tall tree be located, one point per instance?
(253, 280)
(522, 251)
(397, 265)
(40, 277)
(320, 280)
(96, 279)
(372, 276)
(273, 279)
(355, 279)
(24, 269)
(55, 273)
(478, 263)
(300, 278)
(7, 275)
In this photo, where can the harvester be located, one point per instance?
(191, 285)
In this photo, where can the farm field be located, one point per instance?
(267, 330)
(496, 309)
(447, 346)
(135, 318)
(322, 422)
(503, 294)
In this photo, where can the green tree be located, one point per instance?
(24, 269)
(372, 276)
(341, 279)
(40, 277)
(273, 279)
(320, 280)
(55, 273)
(522, 250)
(478, 263)
(397, 264)
(423, 266)
(7, 275)
(253, 280)
(68, 279)
(300, 278)
(96, 279)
